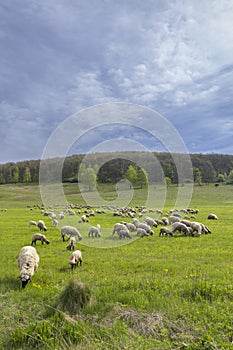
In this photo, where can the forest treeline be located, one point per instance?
(112, 167)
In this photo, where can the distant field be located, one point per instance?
(154, 293)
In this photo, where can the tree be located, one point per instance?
(13, 174)
(27, 175)
(197, 176)
(142, 178)
(230, 177)
(131, 175)
(87, 177)
(220, 178)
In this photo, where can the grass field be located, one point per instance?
(154, 293)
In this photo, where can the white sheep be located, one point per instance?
(182, 228)
(28, 262)
(75, 259)
(70, 231)
(164, 231)
(83, 219)
(141, 232)
(41, 225)
(117, 227)
(39, 237)
(199, 228)
(151, 222)
(131, 227)
(212, 217)
(146, 227)
(94, 231)
(71, 244)
(124, 233)
(165, 220)
(55, 222)
(173, 219)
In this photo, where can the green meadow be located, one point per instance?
(149, 293)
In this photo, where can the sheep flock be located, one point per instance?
(128, 223)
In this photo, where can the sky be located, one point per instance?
(59, 58)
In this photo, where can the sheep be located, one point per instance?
(165, 221)
(71, 231)
(55, 222)
(131, 227)
(173, 219)
(164, 231)
(61, 215)
(83, 219)
(28, 262)
(41, 225)
(179, 226)
(32, 223)
(199, 228)
(151, 222)
(141, 232)
(124, 233)
(71, 244)
(212, 217)
(117, 227)
(39, 237)
(75, 259)
(94, 231)
(146, 227)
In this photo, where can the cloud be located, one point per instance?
(60, 57)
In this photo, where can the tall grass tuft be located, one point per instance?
(74, 297)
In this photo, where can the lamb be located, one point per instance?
(71, 244)
(164, 231)
(94, 231)
(28, 262)
(41, 225)
(124, 233)
(39, 237)
(71, 231)
(212, 217)
(75, 259)
(179, 226)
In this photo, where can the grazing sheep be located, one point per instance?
(173, 219)
(32, 223)
(94, 231)
(39, 237)
(71, 244)
(124, 233)
(146, 228)
(182, 228)
(83, 219)
(141, 232)
(165, 220)
(41, 225)
(151, 222)
(75, 259)
(117, 227)
(164, 231)
(199, 228)
(70, 231)
(131, 227)
(28, 262)
(212, 217)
